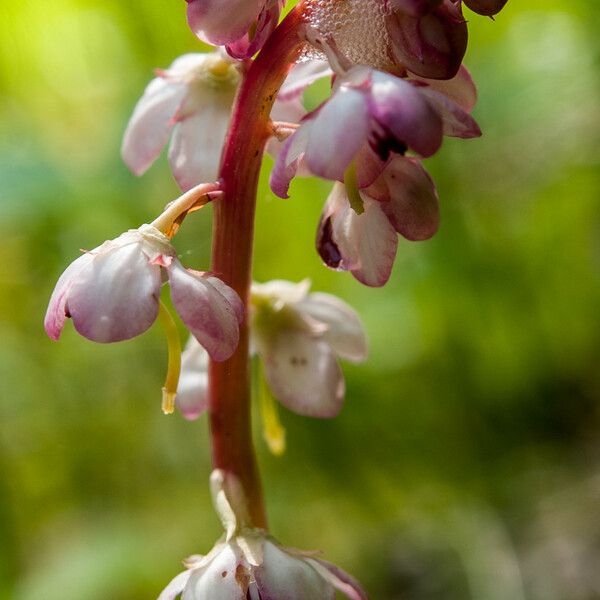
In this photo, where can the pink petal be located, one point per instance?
(457, 122)
(403, 112)
(414, 8)
(176, 586)
(249, 44)
(288, 161)
(460, 89)
(339, 130)
(285, 577)
(192, 391)
(230, 294)
(56, 315)
(195, 150)
(412, 208)
(206, 312)
(303, 374)
(151, 123)
(222, 22)
(115, 296)
(345, 333)
(341, 580)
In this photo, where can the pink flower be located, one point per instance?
(242, 26)
(248, 564)
(388, 113)
(191, 103)
(298, 336)
(112, 293)
(402, 200)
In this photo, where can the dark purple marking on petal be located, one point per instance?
(326, 247)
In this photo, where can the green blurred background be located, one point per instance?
(466, 462)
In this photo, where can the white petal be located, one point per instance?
(367, 242)
(219, 580)
(345, 333)
(209, 316)
(341, 580)
(55, 315)
(285, 577)
(192, 391)
(195, 150)
(301, 76)
(115, 296)
(303, 374)
(175, 587)
(151, 123)
(337, 133)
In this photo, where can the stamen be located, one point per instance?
(273, 430)
(169, 391)
(351, 183)
(168, 221)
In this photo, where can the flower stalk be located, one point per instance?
(233, 230)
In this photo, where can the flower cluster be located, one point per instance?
(247, 563)
(398, 87)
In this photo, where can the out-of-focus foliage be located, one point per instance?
(466, 463)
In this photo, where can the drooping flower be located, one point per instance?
(486, 7)
(112, 293)
(298, 336)
(191, 103)
(430, 42)
(403, 200)
(242, 26)
(247, 563)
(385, 112)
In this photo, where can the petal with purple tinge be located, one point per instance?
(151, 123)
(285, 577)
(337, 133)
(249, 44)
(345, 332)
(288, 160)
(222, 22)
(192, 391)
(460, 89)
(56, 314)
(176, 586)
(206, 312)
(195, 150)
(412, 207)
(341, 580)
(403, 112)
(456, 121)
(115, 296)
(303, 374)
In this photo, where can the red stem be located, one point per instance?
(233, 232)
